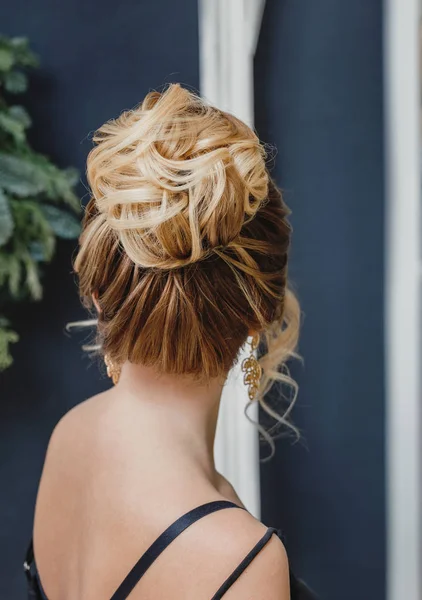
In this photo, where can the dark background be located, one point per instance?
(318, 95)
(319, 100)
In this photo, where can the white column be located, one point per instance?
(228, 33)
(403, 300)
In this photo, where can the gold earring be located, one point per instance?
(113, 371)
(252, 370)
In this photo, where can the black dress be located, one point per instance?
(298, 590)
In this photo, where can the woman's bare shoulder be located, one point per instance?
(69, 442)
(79, 421)
(267, 575)
(76, 416)
(213, 548)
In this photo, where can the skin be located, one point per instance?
(120, 468)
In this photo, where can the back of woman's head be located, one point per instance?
(185, 240)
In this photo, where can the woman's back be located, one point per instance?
(115, 477)
(183, 255)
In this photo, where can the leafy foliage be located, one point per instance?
(7, 337)
(37, 199)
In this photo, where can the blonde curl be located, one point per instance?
(164, 179)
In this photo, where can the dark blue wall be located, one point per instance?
(319, 92)
(97, 59)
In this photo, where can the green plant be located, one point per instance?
(37, 199)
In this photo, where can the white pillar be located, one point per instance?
(228, 33)
(403, 300)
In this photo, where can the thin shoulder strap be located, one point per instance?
(245, 563)
(164, 540)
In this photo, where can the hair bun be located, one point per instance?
(176, 178)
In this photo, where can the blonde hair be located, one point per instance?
(185, 242)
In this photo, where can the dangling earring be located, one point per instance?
(252, 370)
(113, 371)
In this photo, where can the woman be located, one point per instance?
(183, 254)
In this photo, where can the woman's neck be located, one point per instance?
(187, 409)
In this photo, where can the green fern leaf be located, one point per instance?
(32, 277)
(72, 178)
(29, 186)
(12, 126)
(33, 231)
(6, 220)
(63, 224)
(24, 55)
(57, 183)
(7, 337)
(19, 113)
(6, 59)
(19, 176)
(10, 273)
(16, 82)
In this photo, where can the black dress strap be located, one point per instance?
(298, 589)
(245, 562)
(164, 540)
(35, 591)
